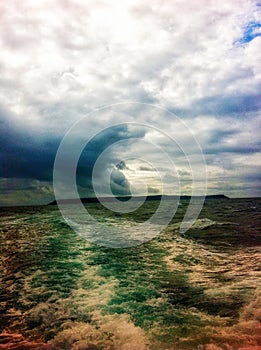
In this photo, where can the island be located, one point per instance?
(89, 200)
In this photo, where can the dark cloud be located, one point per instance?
(119, 184)
(25, 156)
(184, 173)
(231, 141)
(219, 149)
(235, 104)
(96, 146)
(146, 168)
(121, 165)
(153, 190)
(46, 85)
(226, 105)
(27, 191)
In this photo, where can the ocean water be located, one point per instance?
(200, 290)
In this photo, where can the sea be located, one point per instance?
(200, 290)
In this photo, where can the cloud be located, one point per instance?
(24, 156)
(61, 60)
(28, 191)
(153, 190)
(119, 184)
(121, 165)
(146, 168)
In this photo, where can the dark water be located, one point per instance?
(197, 291)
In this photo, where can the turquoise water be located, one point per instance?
(196, 291)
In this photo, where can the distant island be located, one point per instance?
(126, 198)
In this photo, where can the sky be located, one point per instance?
(156, 64)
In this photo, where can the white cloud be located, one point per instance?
(61, 59)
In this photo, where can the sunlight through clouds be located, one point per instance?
(62, 59)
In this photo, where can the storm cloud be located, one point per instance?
(62, 60)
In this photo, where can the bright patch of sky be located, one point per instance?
(251, 31)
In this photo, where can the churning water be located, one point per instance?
(201, 290)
